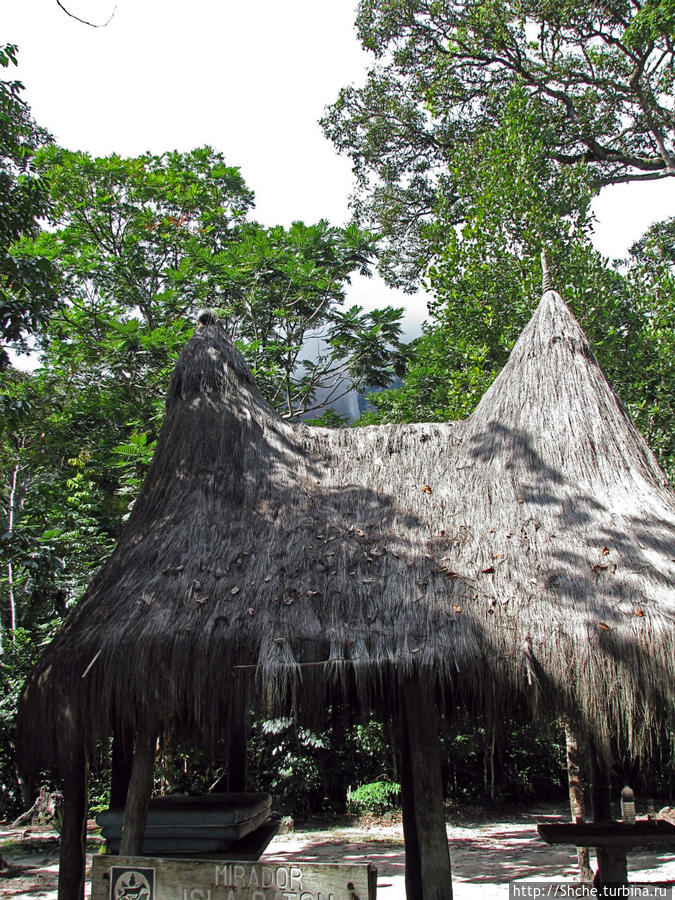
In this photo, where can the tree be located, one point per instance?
(651, 283)
(86, 21)
(485, 284)
(26, 295)
(598, 81)
(140, 245)
(53, 532)
(282, 290)
(143, 243)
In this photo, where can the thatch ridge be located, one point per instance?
(525, 553)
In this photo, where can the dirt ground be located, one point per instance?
(485, 855)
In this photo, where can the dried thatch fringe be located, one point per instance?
(524, 555)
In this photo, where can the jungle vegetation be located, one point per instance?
(481, 136)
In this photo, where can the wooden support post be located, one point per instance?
(237, 767)
(427, 859)
(612, 863)
(74, 770)
(575, 783)
(138, 795)
(120, 773)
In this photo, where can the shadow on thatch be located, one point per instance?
(523, 556)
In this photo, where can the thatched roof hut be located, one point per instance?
(527, 551)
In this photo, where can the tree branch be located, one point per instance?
(84, 21)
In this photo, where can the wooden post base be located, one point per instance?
(72, 857)
(612, 863)
(427, 859)
(612, 867)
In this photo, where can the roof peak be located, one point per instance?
(547, 280)
(208, 317)
(553, 391)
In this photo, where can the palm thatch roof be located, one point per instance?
(525, 551)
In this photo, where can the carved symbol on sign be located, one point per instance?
(132, 884)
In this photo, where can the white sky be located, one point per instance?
(249, 77)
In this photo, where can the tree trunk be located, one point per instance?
(74, 771)
(11, 503)
(45, 807)
(427, 860)
(612, 865)
(575, 783)
(138, 795)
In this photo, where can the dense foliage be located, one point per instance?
(480, 137)
(26, 294)
(133, 250)
(486, 281)
(138, 246)
(597, 78)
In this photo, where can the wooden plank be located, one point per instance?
(252, 846)
(149, 878)
(247, 849)
(617, 834)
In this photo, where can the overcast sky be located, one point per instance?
(249, 77)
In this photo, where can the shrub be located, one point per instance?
(377, 797)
